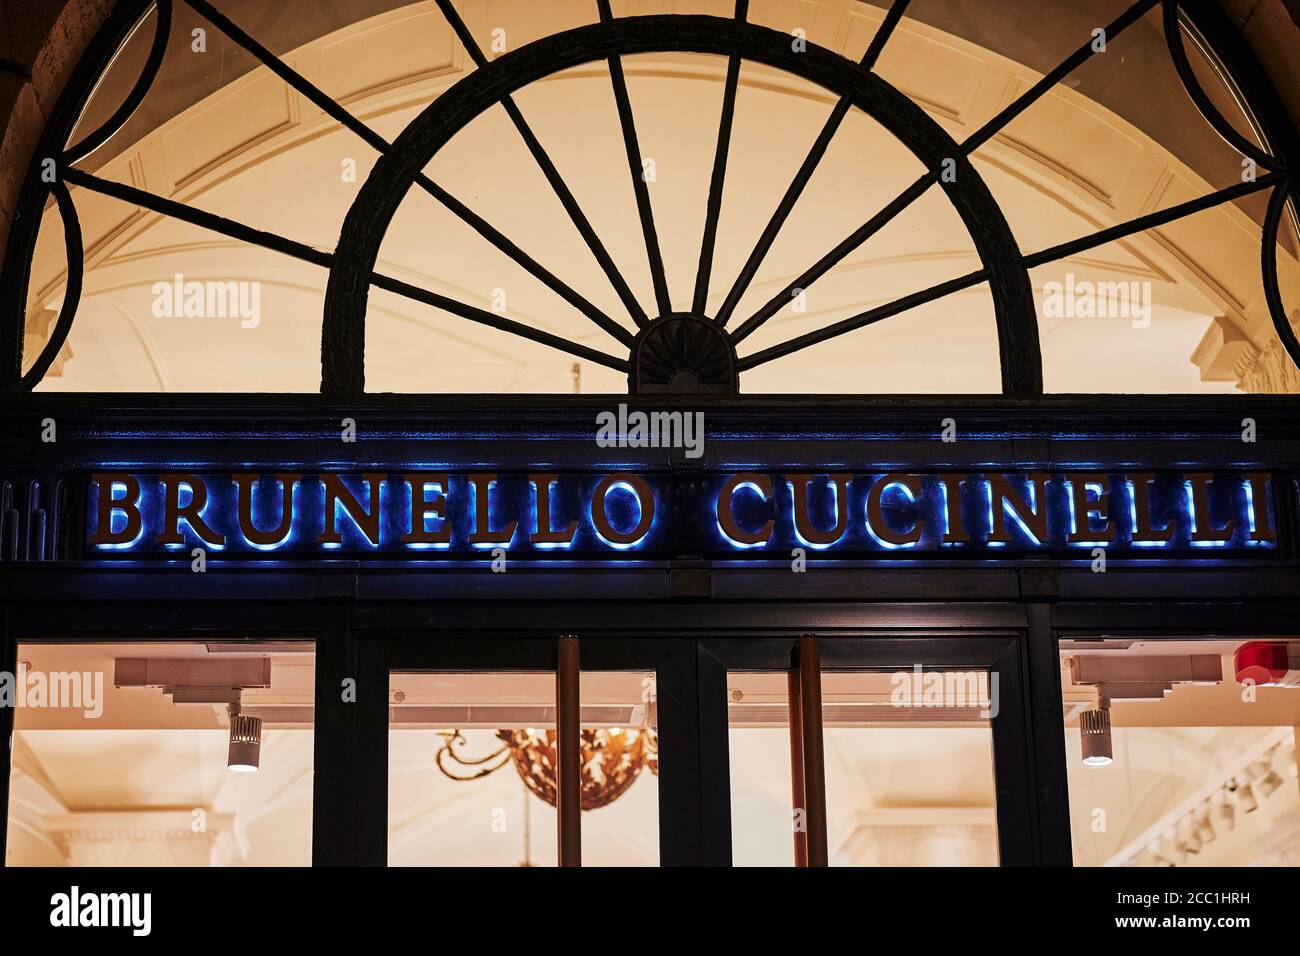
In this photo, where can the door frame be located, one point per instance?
(680, 642)
(685, 838)
(1020, 829)
(691, 677)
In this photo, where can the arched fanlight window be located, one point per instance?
(735, 197)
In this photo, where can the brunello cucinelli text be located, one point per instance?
(424, 510)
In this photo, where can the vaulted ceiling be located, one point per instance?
(1118, 139)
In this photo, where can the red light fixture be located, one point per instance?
(1267, 664)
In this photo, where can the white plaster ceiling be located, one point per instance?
(257, 152)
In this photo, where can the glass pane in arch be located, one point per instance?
(168, 306)
(1133, 316)
(958, 62)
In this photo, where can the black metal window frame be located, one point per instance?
(669, 343)
(691, 673)
(364, 621)
(691, 654)
(350, 796)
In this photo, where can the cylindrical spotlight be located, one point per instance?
(1094, 737)
(245, 743)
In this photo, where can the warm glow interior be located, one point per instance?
(251, 149)
(909, 774)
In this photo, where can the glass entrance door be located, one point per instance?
(474, 736)
(862, 751)
(876, 751)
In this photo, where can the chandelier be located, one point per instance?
(611, 759)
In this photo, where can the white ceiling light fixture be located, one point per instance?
(1129, 678)
(1094, 735)
(245, 742)
(199, 680)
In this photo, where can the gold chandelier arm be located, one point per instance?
(480, 766)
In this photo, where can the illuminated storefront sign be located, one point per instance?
(430, 516)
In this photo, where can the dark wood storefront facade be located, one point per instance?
(687, 611)
(902, 584)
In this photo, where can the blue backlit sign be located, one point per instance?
(442, 516)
